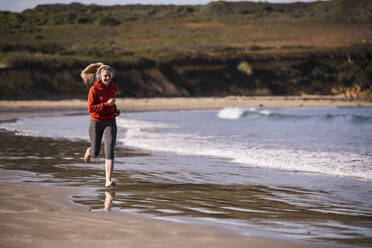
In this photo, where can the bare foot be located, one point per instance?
(110, 184)
(87, 156)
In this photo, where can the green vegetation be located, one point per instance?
(232, 34)
(246, 68)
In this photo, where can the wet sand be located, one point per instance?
(34, 215)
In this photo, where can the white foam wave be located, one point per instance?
(149, 136)
(234, 112)
(74, 127)
(231, 113)
(266, 112)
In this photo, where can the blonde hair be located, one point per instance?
(92, 72)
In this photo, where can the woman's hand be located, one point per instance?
(117, 112)
(111, 101)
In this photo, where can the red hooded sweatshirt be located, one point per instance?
(98, 96)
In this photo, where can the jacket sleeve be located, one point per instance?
(93, 106)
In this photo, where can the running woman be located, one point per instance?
(103, 113)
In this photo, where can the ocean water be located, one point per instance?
(329, 141)
(302, 173)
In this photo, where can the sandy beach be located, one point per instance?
(15, 108)
(41, 215)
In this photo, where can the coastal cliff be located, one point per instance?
(324, 74)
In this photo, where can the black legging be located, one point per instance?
(108, 130)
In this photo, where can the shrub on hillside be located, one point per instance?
(109, 21)
(82, 19)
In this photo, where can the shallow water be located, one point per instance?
(214, 190)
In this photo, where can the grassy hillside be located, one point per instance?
(93, 31)
(70, 36)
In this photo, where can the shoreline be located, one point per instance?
(36, 215)
(179, 103)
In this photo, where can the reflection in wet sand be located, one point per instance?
(109, 196)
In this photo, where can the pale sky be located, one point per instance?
(20, 5)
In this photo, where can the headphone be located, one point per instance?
(106, 67)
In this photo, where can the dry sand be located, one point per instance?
(34, 215)
(147, 104)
